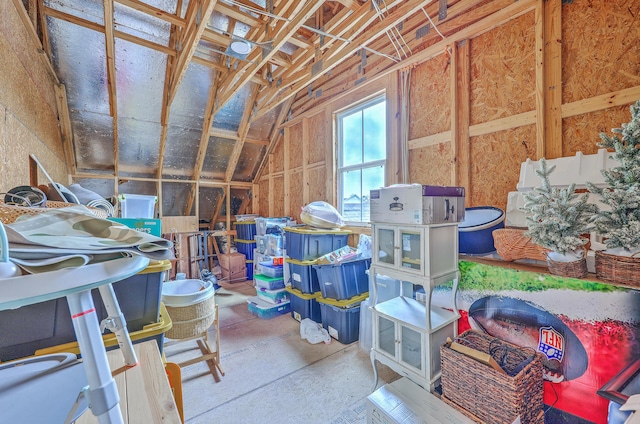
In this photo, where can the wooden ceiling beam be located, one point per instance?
(215, 37)
(237, 14)
(100, 28)
(111, 76)
(243, 130)
(153, 11)
(197, 19)
(299, 13)
(340, 52)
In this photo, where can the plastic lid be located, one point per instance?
(481, 217)
(305, 296)
(267, 278)
(310, 230)
(157, 266)
(263, 304)
(347, 303)
(245, 222)
(296, 262)
(245, 241)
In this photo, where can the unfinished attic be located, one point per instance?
(235, 122)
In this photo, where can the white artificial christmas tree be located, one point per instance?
(620, 226)
(557, 217)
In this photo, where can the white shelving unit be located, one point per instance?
(407, 334)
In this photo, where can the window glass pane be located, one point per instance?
(375, 132)
(352, 139)
(372, 178)
(352, 195)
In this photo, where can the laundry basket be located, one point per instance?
(191, 307)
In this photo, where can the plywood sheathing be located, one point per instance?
(430, 95)
(431, 165)
(495, 164)
(278, 157)
(296, 194)
(581, 133)
(277, 194)
(602, 55)
(295, 146)
(263, 200)
(317, 178)
(503, 71)
(317, 138)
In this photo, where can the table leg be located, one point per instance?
(372, 355)
(102, 393)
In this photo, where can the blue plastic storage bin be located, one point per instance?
(304, 244)
(302, 276)
(246, 230)
(270, 270)
(304, 305)
(266, 310)
(341, 319)
(343, 281)
(475, 233)
(273, 296)
(264, 282)
(249, 265)
(246, 248)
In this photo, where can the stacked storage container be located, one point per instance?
(342, 287)
(246, 244)
(267, 254)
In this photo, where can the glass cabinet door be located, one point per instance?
(411, 347)
(387, 336)
(386, 246)
(411, 248)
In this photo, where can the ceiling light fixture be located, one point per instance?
(240, 47)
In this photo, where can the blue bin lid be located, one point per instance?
(480, 218)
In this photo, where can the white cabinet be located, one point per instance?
(428, 250)
(407, 334)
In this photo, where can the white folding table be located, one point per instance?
(76, 284)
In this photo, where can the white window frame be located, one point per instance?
(371, 164)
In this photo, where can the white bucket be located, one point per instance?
(186, 292)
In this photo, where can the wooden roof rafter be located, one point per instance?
(243, 130)
(299, 12)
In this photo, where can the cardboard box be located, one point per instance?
(232, 262)
(236, 276)
(405, 402)
(149, 226)
(417, 204)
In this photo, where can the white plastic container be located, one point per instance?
(185, 292)
(137, 205)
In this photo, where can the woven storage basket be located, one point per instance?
(573, 269)
(191, 320)
(486, 395)
(9, 213)
(623, 270)
(512, 244)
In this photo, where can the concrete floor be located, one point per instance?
(271, 374)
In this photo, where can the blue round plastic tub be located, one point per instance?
(475, 232)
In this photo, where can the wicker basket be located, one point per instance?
(618, 269)
(9, 213)
(191, 320)
(512, 244)
(575, 269)
(486, 395)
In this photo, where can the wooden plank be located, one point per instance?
(255, 199)
(287, 175)
(305, 160)
(243, 130)
(257, 60)
(153, 11)
(463, 178)
(430, 140)
(540, 79)
(111, 76)
(272, 208)
(181, 224)
(237, 14)
(513, 121)
(65, 127)
(552, 78)
(605, 101)
(145, 394)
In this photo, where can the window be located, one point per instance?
(362, 153)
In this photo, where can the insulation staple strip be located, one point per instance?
(423, 31)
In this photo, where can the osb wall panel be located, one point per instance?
(430, 110)
(295, 195)
(581, 133)
(29, 111)
(431, 165)
(263, 201)
(317, 125)
(278, 156)
(295, 145)
(495, 164)
(503, 70)
(277, 197)
(317, 186)
(602, 55)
